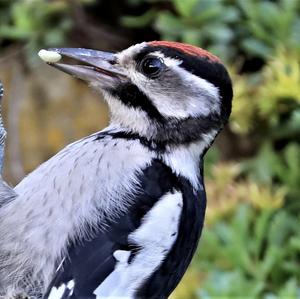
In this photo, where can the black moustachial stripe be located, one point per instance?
(152, 145)
(132, 96)
(90, 261)
(173, 132)
(188, 130)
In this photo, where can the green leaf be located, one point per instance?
(222, 34)
(168, 23)
(185, 8)
(139, 21)
(256, 47)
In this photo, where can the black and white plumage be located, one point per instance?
(118, 214)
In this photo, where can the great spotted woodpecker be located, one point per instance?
(119, 213)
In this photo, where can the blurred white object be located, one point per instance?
(49, 56)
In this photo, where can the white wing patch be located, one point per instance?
(57, 293)
(155, 237)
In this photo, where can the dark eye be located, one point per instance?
(152, 66)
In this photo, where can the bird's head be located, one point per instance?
(168, 92)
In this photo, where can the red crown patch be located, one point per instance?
(188, 49)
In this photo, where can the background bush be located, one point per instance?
(251, 244)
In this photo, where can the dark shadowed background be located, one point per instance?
(251, 244)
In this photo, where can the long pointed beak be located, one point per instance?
(100, 68)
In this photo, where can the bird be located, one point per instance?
(119, 214)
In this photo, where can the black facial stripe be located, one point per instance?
(188, 130)
(131, 96)
(172, 132)
(212, 71)
(151, 144)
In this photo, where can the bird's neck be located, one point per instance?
(185, 159)
(168, 133)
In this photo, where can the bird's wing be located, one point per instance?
(117, 261)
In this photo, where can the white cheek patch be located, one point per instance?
(209, 97)
(197, 96)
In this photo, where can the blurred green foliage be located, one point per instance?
(250, 247)
(35, 23)
(243, 255)
(251, 244)
(226, 27)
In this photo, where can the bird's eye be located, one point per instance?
(152, 66)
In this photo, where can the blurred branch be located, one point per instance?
(14, 108)
(11, 53)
